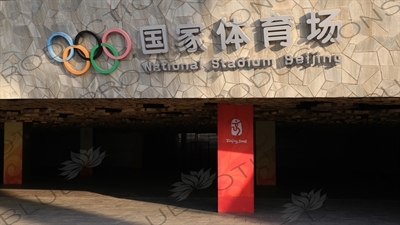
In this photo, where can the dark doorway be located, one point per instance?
(345, 160)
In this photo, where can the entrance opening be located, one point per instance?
(358, 161)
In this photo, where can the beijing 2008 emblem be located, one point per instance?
(236, 127)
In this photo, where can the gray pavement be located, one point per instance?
(121, 206)
(143, 198)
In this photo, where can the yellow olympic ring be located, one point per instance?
(69, 67)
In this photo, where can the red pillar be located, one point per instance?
(13, 146)
(235, 158)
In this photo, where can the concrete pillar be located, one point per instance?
(137, 156)
(265, 163)
(85, 144)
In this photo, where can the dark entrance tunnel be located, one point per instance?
(346, 161)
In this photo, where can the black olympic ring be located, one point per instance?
(99, 51)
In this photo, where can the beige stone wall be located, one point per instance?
(370, 50)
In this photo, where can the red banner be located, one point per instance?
(235, 158)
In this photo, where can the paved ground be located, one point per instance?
(145, 201)
(29, 207)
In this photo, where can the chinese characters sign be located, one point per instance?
(275, 28)
(329, 28)
(154, 39)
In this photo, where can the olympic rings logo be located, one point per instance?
(95, 53)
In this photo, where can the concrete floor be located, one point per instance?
(29, 207)
(86, 201)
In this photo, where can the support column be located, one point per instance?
(27, 153)
(13, 145)
(235, 158)
(137, 140)
(265, 153)
(85, 144)
(183, 158)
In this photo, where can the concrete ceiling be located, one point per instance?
(195, 112)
